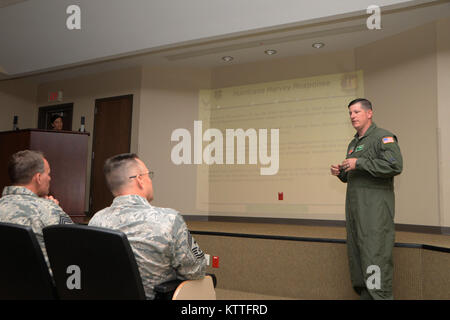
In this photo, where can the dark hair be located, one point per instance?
(23, 165)
(54, 117)
(366, 104)
(116, 169)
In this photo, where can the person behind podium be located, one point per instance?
(56, 122)
(26, 201)
(162, 244)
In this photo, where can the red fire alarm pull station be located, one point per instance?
(280, 195)
(215, 262)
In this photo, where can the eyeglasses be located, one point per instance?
(150, 174)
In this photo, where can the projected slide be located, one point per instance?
(307, 129)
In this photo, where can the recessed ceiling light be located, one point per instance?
(318, 45)
(227, 58)
(270, 52)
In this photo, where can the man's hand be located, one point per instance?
(349, 164)
(52, 199)
(335, 170)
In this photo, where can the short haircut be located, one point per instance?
(366, 104)
(117, 168)
(23, 165)
(54, 117)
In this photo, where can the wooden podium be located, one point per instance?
(66, 152)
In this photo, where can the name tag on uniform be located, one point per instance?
(359, 148)
(388, 140)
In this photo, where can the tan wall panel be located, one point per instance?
(400, 80)
(436, 275)
(18, 97)
(316, 270)
(443, 116)
(408, 281)
(302, 270)
(170, 101)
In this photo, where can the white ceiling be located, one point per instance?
(338, 33)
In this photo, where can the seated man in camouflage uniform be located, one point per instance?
(26, 201)
(162, 244)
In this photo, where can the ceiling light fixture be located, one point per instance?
(270, 52)
(318, 45)
(227, 58)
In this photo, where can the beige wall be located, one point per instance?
(443, 114)
(169, 101)
(406, 77)
(299, 67)
(83, 91)
(18, 97)
(400, 80)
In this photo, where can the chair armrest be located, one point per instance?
(165, 290)
(214, 279)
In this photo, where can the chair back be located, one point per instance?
(92, 263)
(202, 289)
(24, 274)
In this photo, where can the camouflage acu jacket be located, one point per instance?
(162, 244)
(20, 205)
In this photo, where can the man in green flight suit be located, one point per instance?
(373, 159)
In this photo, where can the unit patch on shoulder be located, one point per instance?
(388, 140)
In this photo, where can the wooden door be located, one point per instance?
(112, 135)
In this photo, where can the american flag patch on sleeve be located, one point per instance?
(388, 140)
